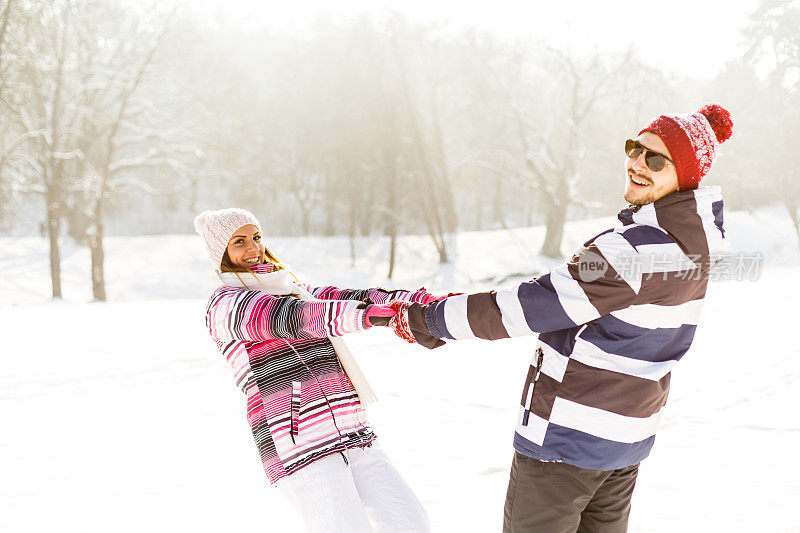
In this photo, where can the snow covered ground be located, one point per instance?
(121, 416)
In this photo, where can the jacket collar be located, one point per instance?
(694, 219)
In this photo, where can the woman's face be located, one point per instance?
(245, 248)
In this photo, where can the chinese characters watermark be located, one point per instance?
(739, 266)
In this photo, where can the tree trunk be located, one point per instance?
(53, 230)
(431, 220)
(498, 203)
(306, 220)
(97, 254)
(556, 218)
(391, 220)
(392, 253)
(430, 204)
(98, 278)
(448, 205)
(352, 235)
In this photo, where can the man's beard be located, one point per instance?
(648, 198)
(644, 200)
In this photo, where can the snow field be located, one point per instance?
(121, 416)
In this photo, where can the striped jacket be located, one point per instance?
(612, 323)
(301, 405)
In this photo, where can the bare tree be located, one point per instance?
(555, 140)
(125, 131)
(430, 169)
(45, 117)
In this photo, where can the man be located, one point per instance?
(612, 323)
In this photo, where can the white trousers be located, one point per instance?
(363, 495)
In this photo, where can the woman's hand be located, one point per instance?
(379, 315)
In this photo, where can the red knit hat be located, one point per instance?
(693, 140)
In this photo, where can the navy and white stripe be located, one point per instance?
(595, 390)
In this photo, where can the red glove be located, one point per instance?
(379, 315)
(399, 323)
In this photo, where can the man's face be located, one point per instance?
(642, 185)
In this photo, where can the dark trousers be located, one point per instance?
(561, 498)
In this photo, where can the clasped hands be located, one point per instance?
(406, 320)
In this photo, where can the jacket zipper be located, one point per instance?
(529, 397)
(295, 410)
(330, 407)
(539, 361)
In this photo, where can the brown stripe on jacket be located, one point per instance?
(484, 317)
(544, 395)
(672, 288)
(606, 293)
(528, 380)
(611, 391)
(683, 220)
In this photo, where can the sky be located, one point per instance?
(688, 37)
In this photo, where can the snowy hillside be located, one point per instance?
(121, 416)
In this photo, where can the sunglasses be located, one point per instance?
(654, 161)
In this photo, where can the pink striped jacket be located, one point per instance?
(301, 405)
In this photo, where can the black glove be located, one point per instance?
(416, 322)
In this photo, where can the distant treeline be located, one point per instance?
(130, 116)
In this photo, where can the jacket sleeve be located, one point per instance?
(593, 283)
(236, 314)
(377, 295)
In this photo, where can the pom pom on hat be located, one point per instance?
(217, 227)
(693, 140)
(720, 120)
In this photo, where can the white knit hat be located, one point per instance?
(217, 227)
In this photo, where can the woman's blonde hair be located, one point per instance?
(227, 265)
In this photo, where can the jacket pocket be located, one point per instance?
(295, 408)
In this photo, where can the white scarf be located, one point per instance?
(282, 283)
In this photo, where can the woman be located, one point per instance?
(307, 418)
